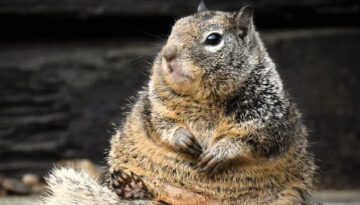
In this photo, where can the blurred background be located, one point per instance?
(69, 68)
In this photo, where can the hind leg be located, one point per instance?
(129, 186)
(294, 196)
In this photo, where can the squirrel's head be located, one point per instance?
(212, 50)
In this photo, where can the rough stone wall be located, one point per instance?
(68, 70)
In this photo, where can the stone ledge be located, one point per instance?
(329, 197)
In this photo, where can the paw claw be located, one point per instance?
(185, 142)
(209, 163)
(129, 186)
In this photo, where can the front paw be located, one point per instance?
(212, 161)
(186, 142)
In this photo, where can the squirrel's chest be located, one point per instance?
(202, 122)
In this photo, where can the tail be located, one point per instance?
(69, 187)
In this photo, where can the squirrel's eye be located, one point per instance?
(213, 39)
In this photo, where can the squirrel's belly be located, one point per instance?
(155, 162)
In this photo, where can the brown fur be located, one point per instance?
(146, 157)
(144, 144)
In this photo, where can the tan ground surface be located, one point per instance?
(328, 197)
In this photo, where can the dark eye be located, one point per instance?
(213, 39)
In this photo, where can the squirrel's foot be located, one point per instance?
(129, 186)
(186, 142)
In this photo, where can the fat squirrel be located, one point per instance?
(213, 126)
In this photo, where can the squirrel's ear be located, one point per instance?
(202, 6)
(244, 20)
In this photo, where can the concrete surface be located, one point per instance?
(330, 197)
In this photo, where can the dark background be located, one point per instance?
(68, 69)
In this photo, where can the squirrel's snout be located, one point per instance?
(170, 53)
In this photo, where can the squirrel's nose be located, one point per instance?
(170, 53)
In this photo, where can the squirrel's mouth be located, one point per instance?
(177, 72)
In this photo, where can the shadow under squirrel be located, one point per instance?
(213, 126)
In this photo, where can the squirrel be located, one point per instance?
(214, 125)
